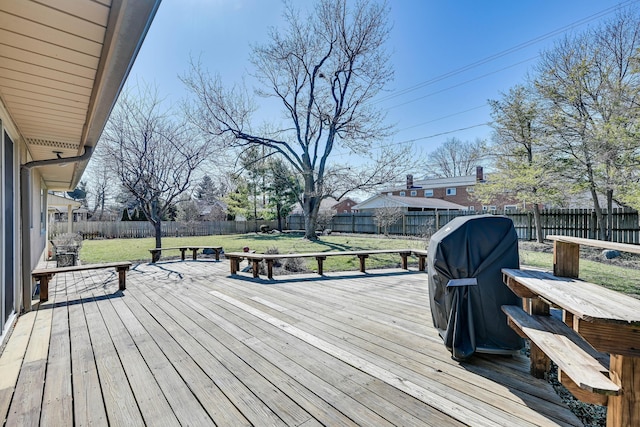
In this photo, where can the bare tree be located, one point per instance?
(324, 70)
(591, 91)
(153, 152)
(387, 216)
(456, 158)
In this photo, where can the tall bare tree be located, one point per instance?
(324, 70)
(153, 152)
(456, 158)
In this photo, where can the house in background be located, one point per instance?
(407, 204)
(329, 206)
(457, 190)
(62, 66)
(344, 206)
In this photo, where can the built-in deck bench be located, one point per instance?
(43, 275)
(255, 259)
(597, 323)
(156, 252)
(581, 369)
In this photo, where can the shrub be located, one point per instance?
(295, 265)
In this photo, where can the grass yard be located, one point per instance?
(138, 249)
(622, 279)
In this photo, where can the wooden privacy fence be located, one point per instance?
(139, 229)
(568, 222)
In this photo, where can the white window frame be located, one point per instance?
(451, 191)
(403, 193)
(413, 193)
(428, 193)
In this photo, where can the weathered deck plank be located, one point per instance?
(187, 343)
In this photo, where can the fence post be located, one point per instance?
(593, 225)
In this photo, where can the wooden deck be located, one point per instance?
(186, 344)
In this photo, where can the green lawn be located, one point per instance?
(621, 279)
(138, 249)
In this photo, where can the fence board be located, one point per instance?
(140, 229)
(568, 222)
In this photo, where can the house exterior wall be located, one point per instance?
(463, 194)
(10, 267)
(344, 206)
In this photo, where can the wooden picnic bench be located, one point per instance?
(156, 252)
(255, 259)
(596, 345)
(43, 275)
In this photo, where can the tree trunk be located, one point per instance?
(279, 214)
(599, 217)
(311, 206)
(157, 227)
(537, 219)
(609, 236)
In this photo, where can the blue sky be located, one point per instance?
(430, 40)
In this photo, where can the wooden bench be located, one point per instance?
(255, 259)
(43, 275)
(156, 252)
(596, 320)
(581, 369)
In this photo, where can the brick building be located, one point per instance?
(458, 190)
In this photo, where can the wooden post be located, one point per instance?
(362, 262)
(320, 260)
(256, 268)
(566, 259)
(44, 286)
(182, 251)
(405, 264)
(217, 251)
(624, 410)
(122, 277)
(195, 253)
(540, 362)
(234, 263)
(269, 268)
(421, 262)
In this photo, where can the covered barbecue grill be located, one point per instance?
(465, 259)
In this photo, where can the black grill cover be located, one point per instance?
(468, 317)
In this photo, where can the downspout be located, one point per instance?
(25, 212)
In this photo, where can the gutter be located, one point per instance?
(25, 219)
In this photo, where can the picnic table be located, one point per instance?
(596, 345)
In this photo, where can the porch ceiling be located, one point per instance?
(62, 65)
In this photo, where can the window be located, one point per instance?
(403, 193)
(451, 191)
(472, 208)
(428, 193)
(510, 208)
(389, 194)
(470, 190)
(493, 208)
(414, 193)
(485, 208)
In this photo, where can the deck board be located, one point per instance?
(188, 344)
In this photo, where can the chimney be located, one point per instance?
(409, 181)
(479, 174)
